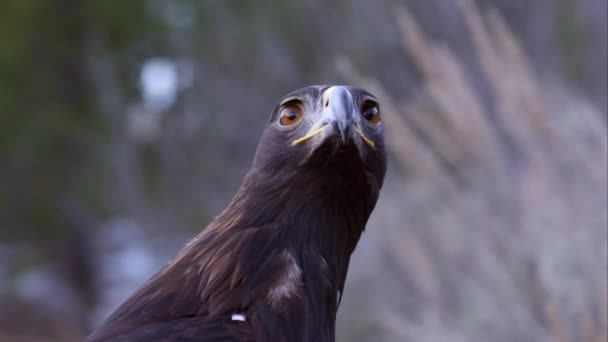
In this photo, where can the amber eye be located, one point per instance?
(370, 112)
(290, 114)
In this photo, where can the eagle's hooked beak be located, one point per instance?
(339, 117)
(339, 112)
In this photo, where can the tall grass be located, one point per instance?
(493, 223)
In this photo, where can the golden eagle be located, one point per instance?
(272, 265)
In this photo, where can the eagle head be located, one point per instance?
(325, 135)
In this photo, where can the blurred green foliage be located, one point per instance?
(50, 125)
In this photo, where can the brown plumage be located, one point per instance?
(272, 265)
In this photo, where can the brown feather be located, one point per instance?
(278, 254)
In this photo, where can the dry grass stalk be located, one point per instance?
(509, 230)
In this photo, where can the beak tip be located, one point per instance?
(345, 130)
(344, 137)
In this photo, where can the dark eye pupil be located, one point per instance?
(291, 116)
(369, 114)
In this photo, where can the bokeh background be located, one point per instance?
(126, 126)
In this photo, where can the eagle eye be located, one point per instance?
(290, 114)
(370, 112)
